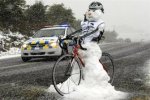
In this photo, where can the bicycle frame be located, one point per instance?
(77, 55)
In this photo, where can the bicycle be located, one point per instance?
(68, 69)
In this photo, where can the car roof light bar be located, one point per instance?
(65, 25)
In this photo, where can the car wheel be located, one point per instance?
(25, 59)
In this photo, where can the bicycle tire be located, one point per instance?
(108, 65)
(62, 73)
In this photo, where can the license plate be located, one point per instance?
(37, 48)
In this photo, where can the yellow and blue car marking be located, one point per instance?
(42, 45)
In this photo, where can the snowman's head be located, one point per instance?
(94, 12)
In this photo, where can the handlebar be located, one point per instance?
(76, 40)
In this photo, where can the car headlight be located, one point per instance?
(24, 45)
(54, 45)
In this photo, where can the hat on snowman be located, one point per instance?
(96, 5)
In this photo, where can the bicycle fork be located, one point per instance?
(81, 64)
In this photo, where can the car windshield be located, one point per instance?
(49, 33)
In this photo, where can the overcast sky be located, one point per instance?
(130, 18)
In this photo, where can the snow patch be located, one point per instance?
(9, 40)
(13, 52)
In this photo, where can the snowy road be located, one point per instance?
(131, 62)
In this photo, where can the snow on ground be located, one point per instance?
(95, 86)
(1, 36)
(13, 52)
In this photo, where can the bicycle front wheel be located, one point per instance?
(66, 75)
(108, 65)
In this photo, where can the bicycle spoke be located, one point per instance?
(75, 73)
(68, 85)
(61, 86)
(73, 81)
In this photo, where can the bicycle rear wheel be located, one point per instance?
(108, 65)
(66, 75)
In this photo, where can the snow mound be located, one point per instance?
(95, 86)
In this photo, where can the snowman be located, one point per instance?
(91, 56)
(94, 24)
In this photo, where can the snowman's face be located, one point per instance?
(93, 15)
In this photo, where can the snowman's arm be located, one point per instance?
(101, 28)
(73, 33)
(87, 34)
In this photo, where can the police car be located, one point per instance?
(44, 42)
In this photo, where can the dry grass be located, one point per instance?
(16, 92)
(140, 98)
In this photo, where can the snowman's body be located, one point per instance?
(92, 22)
(89, 26)
(93, 53)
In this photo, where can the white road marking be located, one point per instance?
(1, 68)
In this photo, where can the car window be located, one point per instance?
(69, 31)
(49, 33)
(78, 33)
(73, 30)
